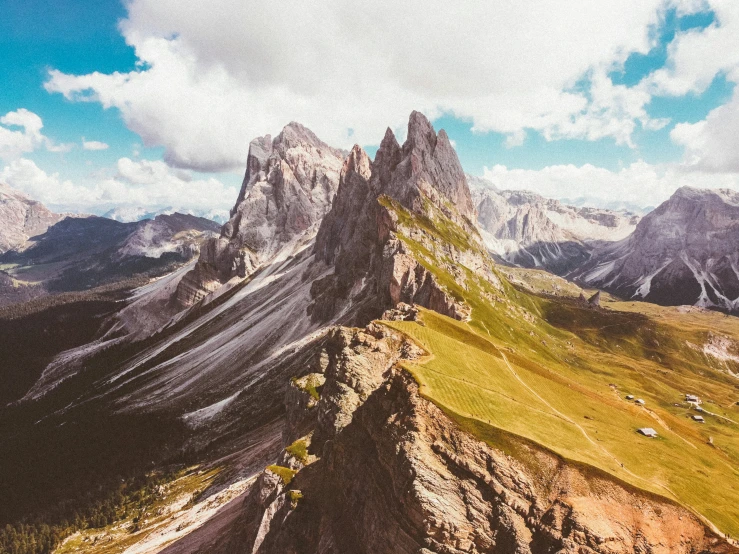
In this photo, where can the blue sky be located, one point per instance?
(96, 70)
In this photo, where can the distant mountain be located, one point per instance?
(56, 253)
(684, 252)
(21, 218)
(128, 214)
(613, 205)
(525, 229)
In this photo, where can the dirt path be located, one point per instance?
(577, 425)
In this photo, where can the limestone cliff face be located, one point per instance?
(683, 252)
(22, 218)
(393, 474)
(527, 230)
(374, 269)
(288, 188)
(426, 165)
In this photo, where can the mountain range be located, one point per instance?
(524, 229)
(369, 358)
(44, 252)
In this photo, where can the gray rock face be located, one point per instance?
(426, 164)
(374, 270)
(525, 229)
(21, 218)
(684, 252)
(288, 188)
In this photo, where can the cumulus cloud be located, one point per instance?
(20, 133)
(141, 184)
(712, 144)
(696, 56)
(639, 184)
(213, 77)
(93, 145)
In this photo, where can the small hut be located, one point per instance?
(648, 432)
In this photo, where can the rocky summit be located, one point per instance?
(287, 189)
(21, 218)
(378, 201)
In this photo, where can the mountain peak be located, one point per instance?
(426, 164)
(295, 134)
(21, 217)
(700, 194)
(358, 161)
(288, 187)
(420, 132)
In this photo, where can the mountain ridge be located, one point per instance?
(369, 376)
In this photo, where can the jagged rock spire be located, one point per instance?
(373, 270)
(288, 187)
(426, 163)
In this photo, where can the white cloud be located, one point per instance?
(141, 184)
(696, 56)
(712, 144)
(20, 133)
(640, 183)
(93, 145)
(613, 111)
(214, 77)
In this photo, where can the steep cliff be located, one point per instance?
(287, 189)
(388, 471)
(416, 191)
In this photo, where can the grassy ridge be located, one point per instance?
(557, 373)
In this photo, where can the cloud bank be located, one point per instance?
(212, 77)
(133, 184)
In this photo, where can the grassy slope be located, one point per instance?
(543, 368)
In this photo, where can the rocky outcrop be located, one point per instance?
(425, 167)
(684, 252)
(525, 229)
(22, 218)
(376, 203)
(287, 189)
(394, 474)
